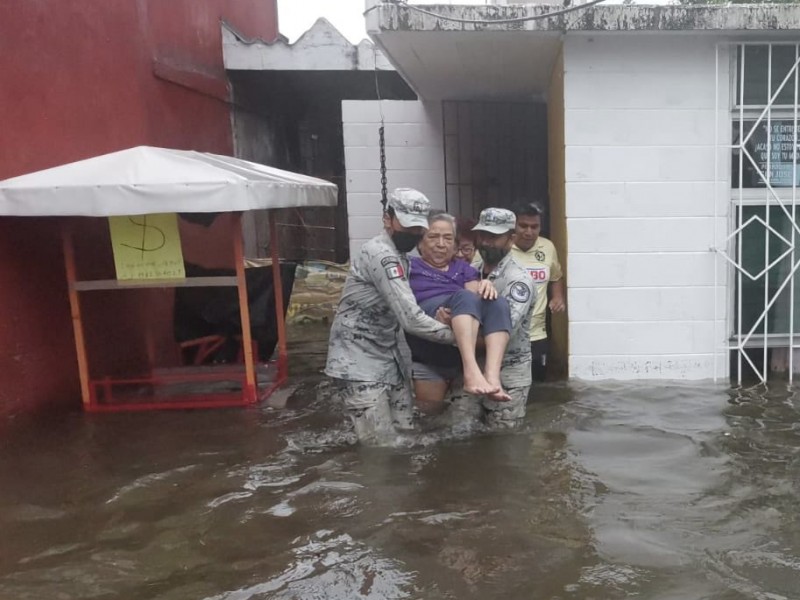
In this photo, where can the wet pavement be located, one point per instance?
(658, 491)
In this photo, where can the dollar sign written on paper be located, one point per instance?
(152, 237)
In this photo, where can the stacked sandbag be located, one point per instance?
(317, 287)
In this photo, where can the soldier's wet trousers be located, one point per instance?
(378, 410)
(504, 415)
(497, 415)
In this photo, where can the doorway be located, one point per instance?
(495, 155)
(504, 153)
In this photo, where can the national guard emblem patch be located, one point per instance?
(520, 292)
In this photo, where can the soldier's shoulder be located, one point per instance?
(377, 247)
(514, 270)
(518, 282)
(379, 254)
(372, 244)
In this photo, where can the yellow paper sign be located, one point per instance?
(147, 247)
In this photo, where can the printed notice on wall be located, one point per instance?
(147, 247)
(773, 153)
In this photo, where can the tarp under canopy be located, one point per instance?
(146, 180)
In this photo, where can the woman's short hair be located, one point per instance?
(440, 215)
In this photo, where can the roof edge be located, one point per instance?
(393, 17)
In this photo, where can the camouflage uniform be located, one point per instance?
(363, 354)
(513, 283)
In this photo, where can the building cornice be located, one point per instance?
(390, 17)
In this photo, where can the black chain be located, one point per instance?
(382, 146)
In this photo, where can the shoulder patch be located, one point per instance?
(394, 270)
(389, 260)
(520, 292)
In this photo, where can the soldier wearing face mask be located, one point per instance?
(363, 355)
(493, 237)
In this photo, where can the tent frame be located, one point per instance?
(250, 395)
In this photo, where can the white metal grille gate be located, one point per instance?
(763, 191)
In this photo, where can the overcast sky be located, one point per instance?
(297, 16)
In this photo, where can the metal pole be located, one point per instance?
(283, 356)
(249, 391)
(75, 310)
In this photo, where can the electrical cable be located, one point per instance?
(403, 4)
(554, 13)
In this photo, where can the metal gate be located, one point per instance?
(761, 248)
(495, 154)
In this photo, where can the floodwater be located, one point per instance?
(656, 491)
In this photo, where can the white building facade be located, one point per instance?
(677, 232)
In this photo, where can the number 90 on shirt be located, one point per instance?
(539, 274)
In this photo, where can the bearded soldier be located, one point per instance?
(493, 241)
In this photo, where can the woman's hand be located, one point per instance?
(486, 290)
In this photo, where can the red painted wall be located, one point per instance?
(82, 78)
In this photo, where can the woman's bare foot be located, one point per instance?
(475, 383)
(500, 395)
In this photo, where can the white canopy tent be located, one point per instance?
(147, 180)
(144, 181)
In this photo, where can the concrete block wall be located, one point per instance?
(414, 157)
(642, 191)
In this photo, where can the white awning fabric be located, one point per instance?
(146, 180)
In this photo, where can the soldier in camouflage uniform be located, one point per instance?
(363, 355)
(494, 240)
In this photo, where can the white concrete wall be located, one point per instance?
(641, 192)
(414, 158)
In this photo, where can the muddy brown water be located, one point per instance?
(658, 491)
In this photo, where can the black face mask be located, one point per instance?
(492, 255)
(405, 241)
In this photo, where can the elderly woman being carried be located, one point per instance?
(450, 288)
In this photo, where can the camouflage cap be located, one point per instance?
(410, 207)
(496, 220)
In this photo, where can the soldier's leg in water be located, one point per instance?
(367, 405)
(401, 396)
(508, 414)
(401, 405)
(463, 410)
